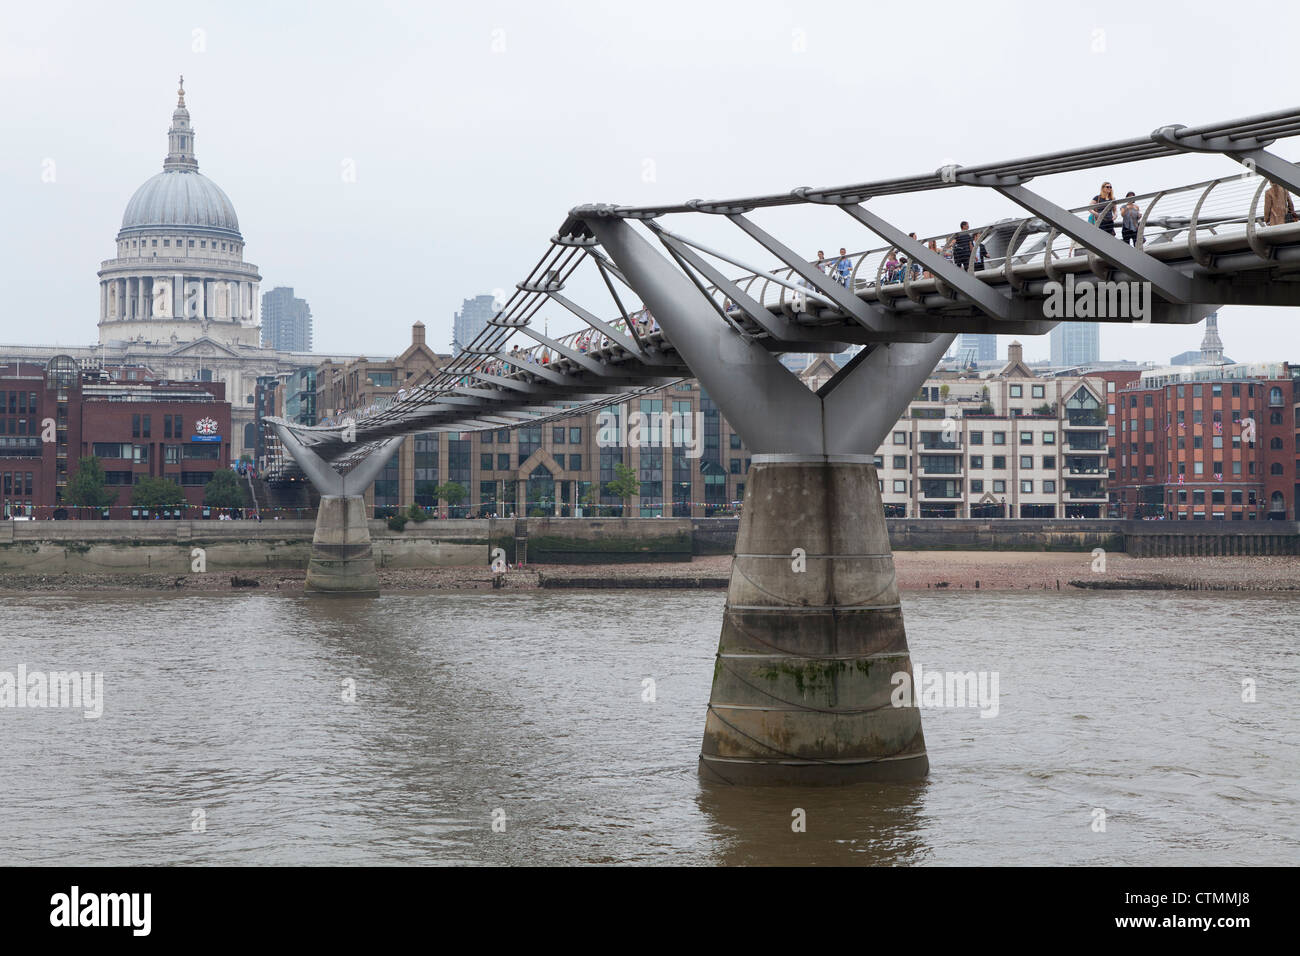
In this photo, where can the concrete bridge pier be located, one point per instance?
(342, 563)
(812, 633)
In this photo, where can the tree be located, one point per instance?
(157, 493)
(223, 491)
(86, 489)
(625, 485)
(453, 492)
(943, 391)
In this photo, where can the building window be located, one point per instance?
(977, 461)
(575, 436)
(557, 435)
(1036, 391)
(1049, 438)
(999, 487)
(1016, 391)
(575, 463)
(503, 462)
(999, 462)
(1027, 487)
(1026, 438)
(999, 438)
(900, 438)
(900, 461)
(977, 486)
(1049, 461)
(485, 461)
(1027, 462)
(977, 438)
(900, 486)
(1049, 487)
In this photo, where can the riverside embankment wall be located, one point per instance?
(64, 547)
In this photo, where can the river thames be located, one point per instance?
(269, 729)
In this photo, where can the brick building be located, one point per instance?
(137, 426)
(1183, 450)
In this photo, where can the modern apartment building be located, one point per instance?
(1012, 445)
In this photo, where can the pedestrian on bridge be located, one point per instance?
(1104, 208)
(1130, 219)
(961, 246)
(843, 268)
(1277, 206)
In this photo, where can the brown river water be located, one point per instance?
(226, 735)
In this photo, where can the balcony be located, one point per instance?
(942, 446)
(934, 473)
(1079, 468)
(941, 496)
(1088, 448)
(938, 490)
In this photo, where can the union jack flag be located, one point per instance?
(1180, 479)
(1218, 476)
(1218, 428)
(1181, 425)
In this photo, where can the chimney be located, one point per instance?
(1015, 353)
(417, 333)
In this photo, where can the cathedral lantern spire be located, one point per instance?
(1211, 344)
(180, 138)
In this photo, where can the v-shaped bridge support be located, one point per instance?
(813, 633)
(342, 561)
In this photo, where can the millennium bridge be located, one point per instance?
(813, 629)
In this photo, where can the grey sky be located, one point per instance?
(474, 128)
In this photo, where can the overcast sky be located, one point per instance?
(473, 128)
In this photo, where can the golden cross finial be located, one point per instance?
(181, 91)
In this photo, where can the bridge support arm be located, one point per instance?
(342, 562)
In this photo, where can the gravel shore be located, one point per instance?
(917, 571)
